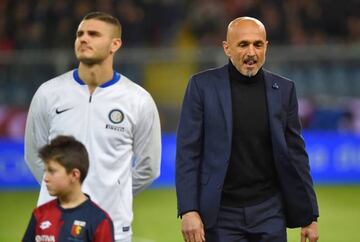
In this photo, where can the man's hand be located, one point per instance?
(192, 227)
(310, 232)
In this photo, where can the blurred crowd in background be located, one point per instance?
(39, 24)
(43, 25)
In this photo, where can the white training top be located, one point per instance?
(120, 127)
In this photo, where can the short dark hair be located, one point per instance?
(68, 152)
(105, 18)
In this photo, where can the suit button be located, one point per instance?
(219, 187)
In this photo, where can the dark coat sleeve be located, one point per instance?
(189, 149)
(297, 152)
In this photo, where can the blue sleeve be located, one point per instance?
(29, 235)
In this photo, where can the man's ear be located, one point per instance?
(226, 48)
(115, 45)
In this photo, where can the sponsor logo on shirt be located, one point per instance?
(45, 224)
(58, 110)
(112, 127)
(44, 238)
(78, 228)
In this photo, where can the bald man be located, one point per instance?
(242, 171)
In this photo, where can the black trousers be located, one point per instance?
(264, 222)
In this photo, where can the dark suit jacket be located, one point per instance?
(204, 145)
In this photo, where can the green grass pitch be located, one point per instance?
(155, 215)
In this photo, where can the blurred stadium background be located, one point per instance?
(314, 42)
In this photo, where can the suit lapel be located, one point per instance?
(222, 86)
(273, 95)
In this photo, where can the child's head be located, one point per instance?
(68, 153)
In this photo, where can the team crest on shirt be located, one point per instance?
(116, 116)
(78, 228)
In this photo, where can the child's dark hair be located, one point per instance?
(68, 152)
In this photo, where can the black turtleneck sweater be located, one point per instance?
(251, 176)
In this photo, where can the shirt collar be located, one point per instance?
(116, 77)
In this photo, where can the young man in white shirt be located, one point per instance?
(114, 118)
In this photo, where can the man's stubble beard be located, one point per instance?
(250, 74)
(90, 61)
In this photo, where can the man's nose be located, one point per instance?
(251, 50)
(83, 38)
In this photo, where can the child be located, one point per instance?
(72, 216)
